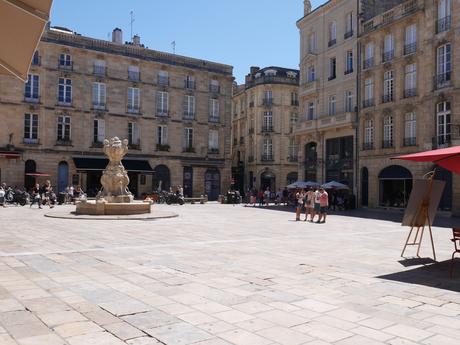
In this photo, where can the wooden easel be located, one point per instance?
(420, 219)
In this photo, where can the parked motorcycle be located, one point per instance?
(16, 197)
(173, 198)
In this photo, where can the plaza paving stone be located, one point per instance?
(221, 275)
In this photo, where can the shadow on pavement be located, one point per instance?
(432, 275)
(395, 216)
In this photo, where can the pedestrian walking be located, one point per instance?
(36, 196)
(300, 202)
(324, 203)
(310, 205)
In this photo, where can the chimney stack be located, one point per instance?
(306, 7)
(253, 70)
(117, 36)
(136, 40)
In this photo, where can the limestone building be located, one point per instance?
(265, 112)
(410, 99)
(174, 110)
(326, 132)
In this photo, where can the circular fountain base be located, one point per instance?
(94, 208)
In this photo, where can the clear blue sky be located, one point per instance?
(241, 33)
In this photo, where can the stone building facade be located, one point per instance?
(409, 98)
(326, 132)
(174, 110)
(265, 112)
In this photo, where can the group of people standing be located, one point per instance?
(314, 202)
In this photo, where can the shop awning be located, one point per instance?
(92, 164)
(21, 26)
(37, 174)
(9, 154)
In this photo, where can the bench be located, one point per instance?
(201, 200)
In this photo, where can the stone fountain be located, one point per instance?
(115, 197)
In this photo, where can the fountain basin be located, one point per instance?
(108, 208)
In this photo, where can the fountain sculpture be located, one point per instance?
(115, 197)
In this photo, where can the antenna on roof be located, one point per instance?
(131, 23)
(173, 44)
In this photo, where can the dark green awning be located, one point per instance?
(132, 165)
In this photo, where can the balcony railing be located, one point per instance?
(64, 103)
(388, 56)
(293, 159)
(99, 106)
(214, 119)
(267, 129)
(133, 110)
(135, 145)
(332, 77)
(410, 93)
(410, 48)
(162, 113)
(189, 149)
(294, 103)
(368, 103)
(443, 24)
(368, 146)
(213, 151)
(100, 70)
(268, 102)
(134, 76)
(190, 84)
(30, 141)
(64, 64)
(188, 115)
(214, 88)
(163, 81)
(348, 34)
(348, 71)
(410, 141)
(441, 141)
(368, 63)
(32, 99)
(387, 98)
(387, 144)
(332, 42)
(443, 80)
(163, 147)
(267, 158)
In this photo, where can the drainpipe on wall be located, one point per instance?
(358, 102)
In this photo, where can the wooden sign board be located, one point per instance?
(419, 192)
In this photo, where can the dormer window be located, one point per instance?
(270, 73)
(258, 75)
(291, 74)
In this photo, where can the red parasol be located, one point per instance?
(448, 158)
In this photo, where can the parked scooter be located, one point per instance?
(173, 198)
(16, 197)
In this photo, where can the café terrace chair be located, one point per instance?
(456, 240)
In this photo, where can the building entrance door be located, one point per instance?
(63, 176)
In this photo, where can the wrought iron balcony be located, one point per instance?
(163, 81)
(410, 48)
(368, 103)
(162, 113)
(163, 147)
(388, 56)
(99, 70)
(99, 106)
(443, 24)
(30, 141)
(332, 77)
(441, 141)
(348, 71)
(348, 34)
(214, 119)
(32, 99)
(134, 76)
(214, 88)
(267, 158)
(65, 64)
(443, 80)
(268, 102)
(188, 115)
(332, 42)
(267, 129)
(368, 63)
(368, 146)
(294, 103)
(387, 98)
(386, 144)
(133, 110)
(410, 141)
(213, 151)
(190, 84)
(410, 93)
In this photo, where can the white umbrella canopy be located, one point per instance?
(303, 185)
(21, 26)
(335, 185)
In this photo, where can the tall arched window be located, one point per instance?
(388, 131)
